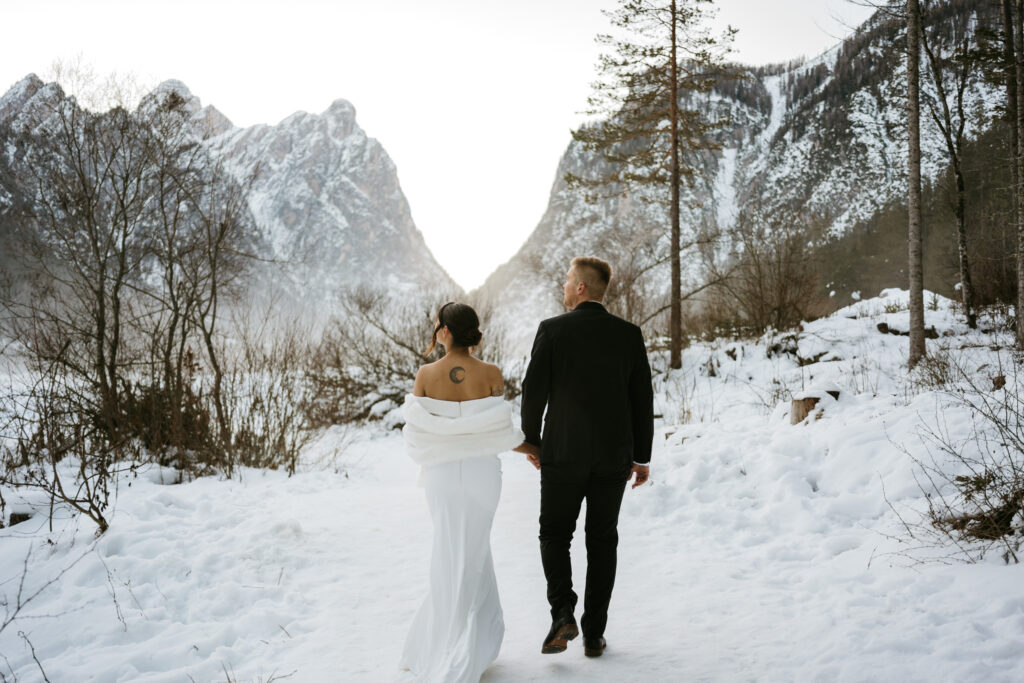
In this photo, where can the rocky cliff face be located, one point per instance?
(328, 198)
(824, 138)
(327, 203)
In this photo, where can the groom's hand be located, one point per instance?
(642, 472)
(532, 452)
(533, 455)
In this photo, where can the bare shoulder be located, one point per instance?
(428, 370)
(419, 384)
(494, 379)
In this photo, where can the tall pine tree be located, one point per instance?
(668, 52)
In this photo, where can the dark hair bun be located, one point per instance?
(470, 338)
(463, 322)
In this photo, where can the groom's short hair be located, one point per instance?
(595, 273)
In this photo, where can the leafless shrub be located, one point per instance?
(267, 392)
(974, 484)
(935, 372)
(57, 442)
(173, 424)
(773, 282)
(370, 354)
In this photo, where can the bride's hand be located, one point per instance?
(532, 452)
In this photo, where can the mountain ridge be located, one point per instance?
(328, 204)
(829, 148)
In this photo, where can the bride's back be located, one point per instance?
(459, 377)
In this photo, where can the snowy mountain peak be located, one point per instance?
(209, 119)
(173, 85)
(15, 98)
(174, 88)
(328, 198)
(214, 121)
(341, 116)
(341, 110)
(23, 89)
(327, 204)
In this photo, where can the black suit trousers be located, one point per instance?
(562, 491)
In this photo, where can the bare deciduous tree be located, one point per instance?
(371, 353)
(266, 391)
(951, 120)
(774, 280)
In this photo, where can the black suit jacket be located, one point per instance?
(590, 369)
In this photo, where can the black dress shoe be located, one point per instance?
(594, 647)
(563, 629)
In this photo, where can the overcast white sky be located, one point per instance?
(473, 99)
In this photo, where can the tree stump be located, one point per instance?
(804, 404)
(801, 408)
(19, 517)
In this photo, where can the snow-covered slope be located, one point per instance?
(761, 551)
(823, 139)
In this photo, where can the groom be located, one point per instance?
(589, 369)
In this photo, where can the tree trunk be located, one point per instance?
(1018, 43)
(917, 343)
(1011, 94)
(676, 316)
(953, 136)
(966, 286)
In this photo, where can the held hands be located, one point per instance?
(643, 475)
(532, 453)
(641, 472)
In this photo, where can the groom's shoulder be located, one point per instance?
(626, 326)
(622, 328)
(573, 317)
(559, 322)
(555, 320)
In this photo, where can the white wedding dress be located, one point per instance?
(458, 630)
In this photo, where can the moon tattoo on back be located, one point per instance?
(457, 374)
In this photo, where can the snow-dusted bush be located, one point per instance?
(267, 392)
(974, 483)
(369, 354)
(774, 282)
(54, 443)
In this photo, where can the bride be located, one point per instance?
(457, 421)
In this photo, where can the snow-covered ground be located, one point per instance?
(761, 551)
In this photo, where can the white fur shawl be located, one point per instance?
(438, 431)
